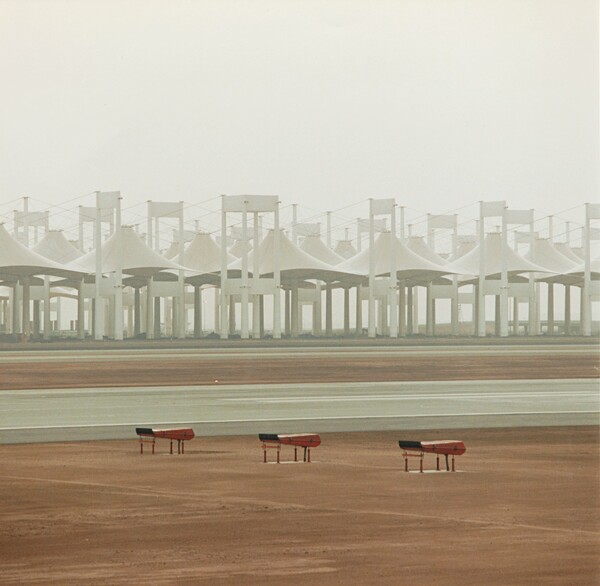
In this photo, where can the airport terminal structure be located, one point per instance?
(502, 273)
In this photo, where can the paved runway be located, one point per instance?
(129, 355)
(109, 413)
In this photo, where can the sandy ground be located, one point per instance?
(523, 509)
(298, 369)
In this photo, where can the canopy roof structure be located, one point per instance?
(575, 275)
(543, 253)
(313, 245)
(295, 264)
(409, 265)
(172, 251)
(16, 261)
(567, 251)
(202, 256)
(492, 264)
(464, 246)
(137, 258)
(56, 247)
(417, 244)
(239, 247)
(345, 249)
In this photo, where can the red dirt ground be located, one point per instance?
(299, 369)
(522, 510)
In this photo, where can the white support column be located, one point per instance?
(294, 329)
(329, 310)
(244, 329)
(454, 302)
(26, 307)
(532, 306)
(592, 212)
(393, 296)
(504, 280)
(409, 310)
(402, 311)
(80, 311)
(217, 308)
(481, 327)
(317, 318)
(429, 312)
(277, 277)
(346, 311)
(224, 326)
(359, 310)
(372, 316)
(181, 313)
(149, 310)
(118, 323)
(255, 283)
(515, 316)
(98, 314)
(47, 328)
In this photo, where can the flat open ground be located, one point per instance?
(523, 508)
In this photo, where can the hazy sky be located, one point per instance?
(326, 103)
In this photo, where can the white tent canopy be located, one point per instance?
(345, 249)
(137, 257)
(408, 264)
(294, 263)
(16, 260)
(56, 247)
(567, 251)
(314, 246)
(492, 262)
(417, 244)
(543, 253)
(203, 255)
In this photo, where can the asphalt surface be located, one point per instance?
(113, 413)
(126, 354)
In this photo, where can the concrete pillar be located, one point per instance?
(26, 308)
(346, 311)
(550, 320)
(498, 316)
(261, 306)
(429, 311)
(197, 311)
(409, 311)
(317, 317)
(80, 311)
(287, 310)
(454, 307)
(36, 318)
(567, 310)
(358, 311)
(149, 310)
(232, 323)
(402, 311)
(156, 321)
(295, 306)
(137, 312)
(329, 310)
